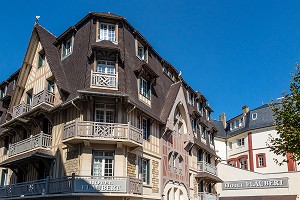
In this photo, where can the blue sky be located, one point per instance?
(234, 52)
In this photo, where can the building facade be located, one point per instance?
(97, 113)
(242, 144)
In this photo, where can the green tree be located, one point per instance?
(287, 121)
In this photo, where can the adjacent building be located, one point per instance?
(97, 113)
(247, 166)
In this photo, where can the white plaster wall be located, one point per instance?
(228, 173)
(220, 147)
(238, 150)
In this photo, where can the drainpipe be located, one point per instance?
(130, 112)
(72, 102)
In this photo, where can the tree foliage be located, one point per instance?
(287, 121)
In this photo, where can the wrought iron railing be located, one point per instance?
(115, 131)
(104, 79)
(203, 166)
(207, 196)
(44, 96)
(34, 141)
(73, 184)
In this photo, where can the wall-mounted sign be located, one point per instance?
(256, 184)
(100, 185)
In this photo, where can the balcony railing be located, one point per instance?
(44, 96)
(41, 140)
(99, 130)
(74, 184)
(207, 196)
(20, 109)
(203, 166)
(104, 79)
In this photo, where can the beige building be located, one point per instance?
(97, 113)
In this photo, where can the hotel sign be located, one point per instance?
(100, 185)
(256, 184)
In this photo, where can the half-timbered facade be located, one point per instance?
(97, 113)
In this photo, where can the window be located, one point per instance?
(203, 132)
(50, 86)
(211, 138)
(241, 142)
(106, 71)
(145, 88)
(107, 32)
(230, 145)
(190, 98)
(243, 163)
(3, 91)
(261, 160)
(237, 124)
(208, 158)
(4, 177)
(144, 170)
(67, 48)
(41, 58)
(145, 126)
(194, 124)
(208, 113)
(29, 99)
(200, 155)
(200, 107)
(104, 113)
(254, 116)
(103, 163)
(141, 50)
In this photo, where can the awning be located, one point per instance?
(27, 157)
(207, 176)
(271, 197)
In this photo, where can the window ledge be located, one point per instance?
(114, 42)
(147, 185)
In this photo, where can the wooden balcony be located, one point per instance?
(207, 196)
(89, 185)
(98, 132)
(44, 96)
(104, 80)
(41, 140)
(203, 166)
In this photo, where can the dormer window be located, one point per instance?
(50, 86)
(107, 32)
(141, 51)
(41, 58)
(67, 48)
(3, 91)
(145, 88)
(200, 107)
(191, 98)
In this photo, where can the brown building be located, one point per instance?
(98, 113)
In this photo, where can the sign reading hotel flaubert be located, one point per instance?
(100, 185)
(256, 184)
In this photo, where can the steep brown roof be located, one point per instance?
(271, 197)
(53, 57)
(172, 94)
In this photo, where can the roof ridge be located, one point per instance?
(45, 29)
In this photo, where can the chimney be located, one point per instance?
(223, 119)
(245, 109)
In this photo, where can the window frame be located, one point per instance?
(145, 121)
(103, 157)
(252, 116)
(63, 48)
(258, 161)
(41, 58)
(240, 142)
(144, 170)
(142, 87)
(108, 33)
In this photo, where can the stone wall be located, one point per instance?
(72, 162)
(131, 166)
(155, 176)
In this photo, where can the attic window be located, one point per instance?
(67, 48)
(3, 91)
(41, 58)
(107, 32)
(254, 116)
(141, 51)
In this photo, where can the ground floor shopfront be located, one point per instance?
(242, 184)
